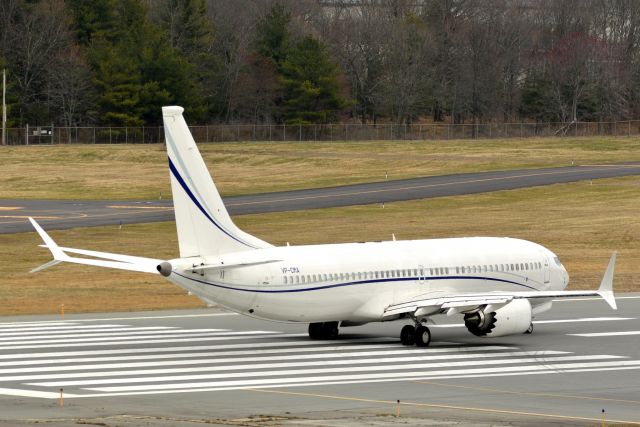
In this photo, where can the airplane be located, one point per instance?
(496, 284)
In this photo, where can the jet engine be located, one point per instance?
(512, 318)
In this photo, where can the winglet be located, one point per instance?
(58, 254)
(606, 286)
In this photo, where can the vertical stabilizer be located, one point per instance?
(203, 224)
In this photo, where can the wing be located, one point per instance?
(100, 259)
(452, 304)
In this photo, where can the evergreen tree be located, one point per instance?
(273, 36)
(135, 69)
(312, 89)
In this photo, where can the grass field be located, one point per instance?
(140, 171)
(582, 223)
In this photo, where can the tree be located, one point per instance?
(310, 79)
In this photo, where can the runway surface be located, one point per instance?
(55, 214)
(121, 369)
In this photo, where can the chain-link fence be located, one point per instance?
(317, 132)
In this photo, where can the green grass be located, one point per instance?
(582, 223)
(140, 171)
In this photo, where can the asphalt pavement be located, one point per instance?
(60, 214)
(207, 366)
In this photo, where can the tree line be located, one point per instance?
(116, 62)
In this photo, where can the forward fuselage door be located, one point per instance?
(547, 270)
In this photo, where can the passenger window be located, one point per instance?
(285, 280)
(314, 278)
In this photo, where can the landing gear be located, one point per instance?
(415, 335)
(529, 329)
(423, 336)
(323, 330)
(408, 335)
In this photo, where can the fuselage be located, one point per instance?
(355, 282)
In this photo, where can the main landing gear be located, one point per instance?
(529, 329)
(418, 335)
(323, 330)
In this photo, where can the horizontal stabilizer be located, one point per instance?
(109, 260)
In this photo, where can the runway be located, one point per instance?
(57, 214)
(204, 365)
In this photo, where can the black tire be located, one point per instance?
(330, 330)
(423, 336)
(529, 329)
(408, 335)
(316, 330)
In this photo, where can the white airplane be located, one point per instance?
(497, 284)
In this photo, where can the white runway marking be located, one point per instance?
(34, 362)
(540, 322)
(606, 334)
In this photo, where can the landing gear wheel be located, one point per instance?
(529, 329)
(408, 335)
(323, 330)
(423, 336)
(315, 330)
(330, 330)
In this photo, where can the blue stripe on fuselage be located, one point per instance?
(361, 282)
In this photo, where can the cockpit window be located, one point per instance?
(557, 261)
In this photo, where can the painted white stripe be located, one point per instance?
(335, 352)
(44, 323)
(537, 322)
(587, 319)
(125, 336)
(150, 341)
(91, 334)
(394, 378)
(86, 376)
(607, 334)
(317, 344)
(59, 328)
(31, 393)
(85, 329)
(345, 359)
(368, 376)
(101, 319)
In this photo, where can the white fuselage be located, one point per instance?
(356, 281)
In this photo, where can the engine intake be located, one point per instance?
(512, 318)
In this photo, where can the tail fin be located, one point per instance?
(203, 224)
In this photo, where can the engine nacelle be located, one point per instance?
(512, 318)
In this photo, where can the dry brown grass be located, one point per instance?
(140, 171)
(582, 223)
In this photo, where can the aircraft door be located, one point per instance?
(547, 272)
(423, 283)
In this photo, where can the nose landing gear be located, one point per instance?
(418, 335)
(323, 330)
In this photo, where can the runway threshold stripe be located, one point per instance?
(606, 334)
(335, 352)
(116, 332)
(44, 323)
(307, 342)
(250, 362)
(65, 328)
(367, 376)
(324, 382)
(539, 322)
(86, 376)
(139, 340)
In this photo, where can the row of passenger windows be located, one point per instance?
(416, 273)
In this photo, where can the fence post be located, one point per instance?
(94, 135)
(26, 134)
(284, 132)
(269, 132)
(300, 132)
(629, 134)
